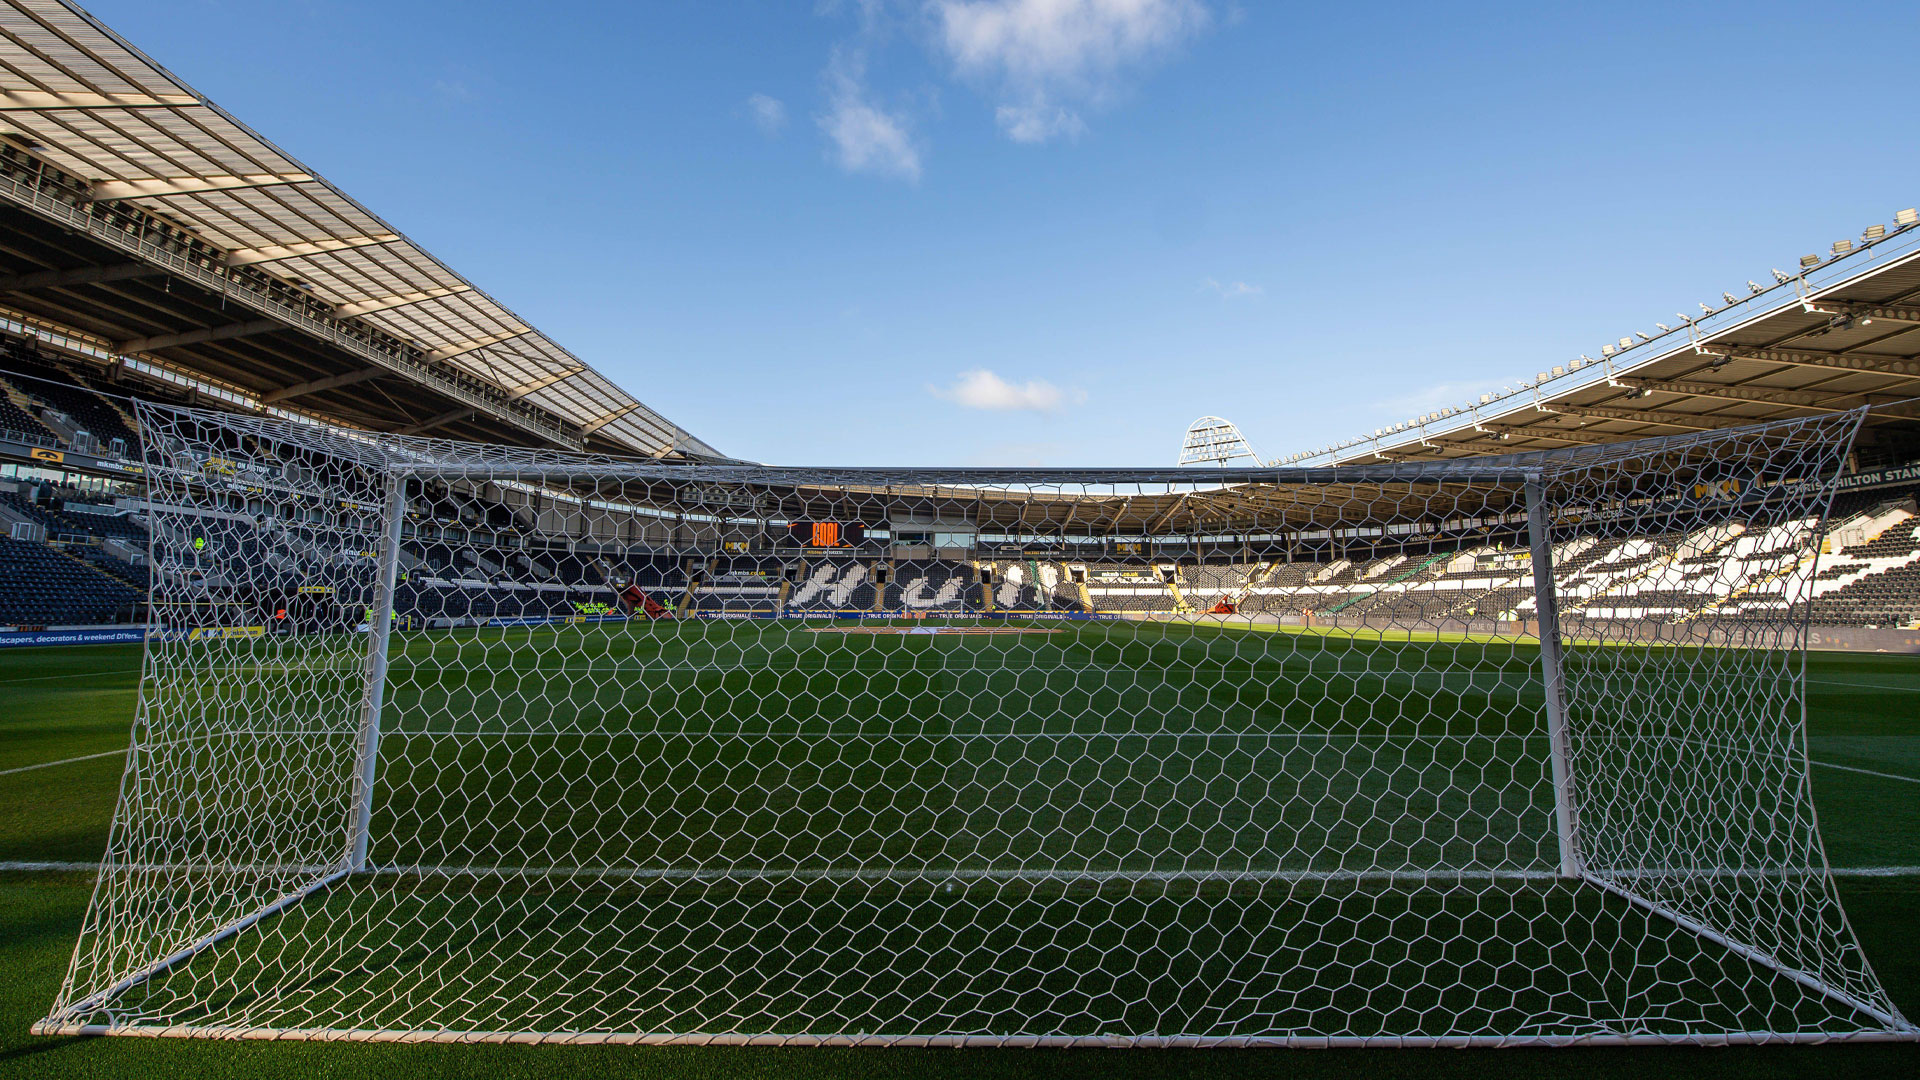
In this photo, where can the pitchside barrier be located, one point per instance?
(663, 829)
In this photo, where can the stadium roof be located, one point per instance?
(1839, 333)
(139, 215)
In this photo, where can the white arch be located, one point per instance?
(1213, 441)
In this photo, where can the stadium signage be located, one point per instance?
(225, 633)
(1878, 477)
(105, 635)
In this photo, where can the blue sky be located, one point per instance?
(1056, 231)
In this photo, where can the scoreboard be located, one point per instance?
(826, 534)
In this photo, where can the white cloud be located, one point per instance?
(769, 113)
(1231, 290)
(982, 389)
(865, 138)
(1036, 123)
(1045, 58)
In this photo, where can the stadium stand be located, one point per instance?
(40, 585)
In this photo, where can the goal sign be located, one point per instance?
(1482, 751)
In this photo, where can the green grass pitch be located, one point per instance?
(73, 706)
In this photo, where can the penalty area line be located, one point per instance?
(1868, 772)
(71, 675)
(62, 761)
(38, 866)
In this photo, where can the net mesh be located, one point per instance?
(443, 741)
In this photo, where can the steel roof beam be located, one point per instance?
(387, 303)
(315, 386)
(1688, 421)
(1865, 312)
(34, 100)
(1904, 367)
(1798, 399)
(1578, 438)
(82, 275)
(599, 422)
(430, 423)
(542, 383)
(196, 337)
(461, 348)
(251, 256)
(160, 187)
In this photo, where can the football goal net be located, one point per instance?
(448, 742)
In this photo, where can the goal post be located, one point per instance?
(448, 742)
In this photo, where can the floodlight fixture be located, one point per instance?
(1874, 232)
(1705, 308)
(1906, 217)
(1781, 277)
(1841, 247)
(1755, 287)
(1664, 328)
(1728, 297)
(1807, 261)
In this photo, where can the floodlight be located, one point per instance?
(1841, 247)
(1780, 277)
(1664, 328)
(1728, 297)
(1607, 350)
(1874, 232)
(1906, 217)
(1809, 260)
(1641, 336)
(1558, 371)
(1626, 343)
(1755, 287)
(1705, 308)
(1486, 399)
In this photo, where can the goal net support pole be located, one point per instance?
(1552, 681)
(380, 621)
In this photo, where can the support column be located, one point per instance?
(381, 632)
(1547, 610)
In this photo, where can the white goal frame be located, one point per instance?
(1813, 950)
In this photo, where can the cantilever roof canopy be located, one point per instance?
(1841, 334)
(78, 98)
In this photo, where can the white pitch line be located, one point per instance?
(71, 675)
(62, 761)
(19, 866)
(1866, 685)
(1869, 772)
